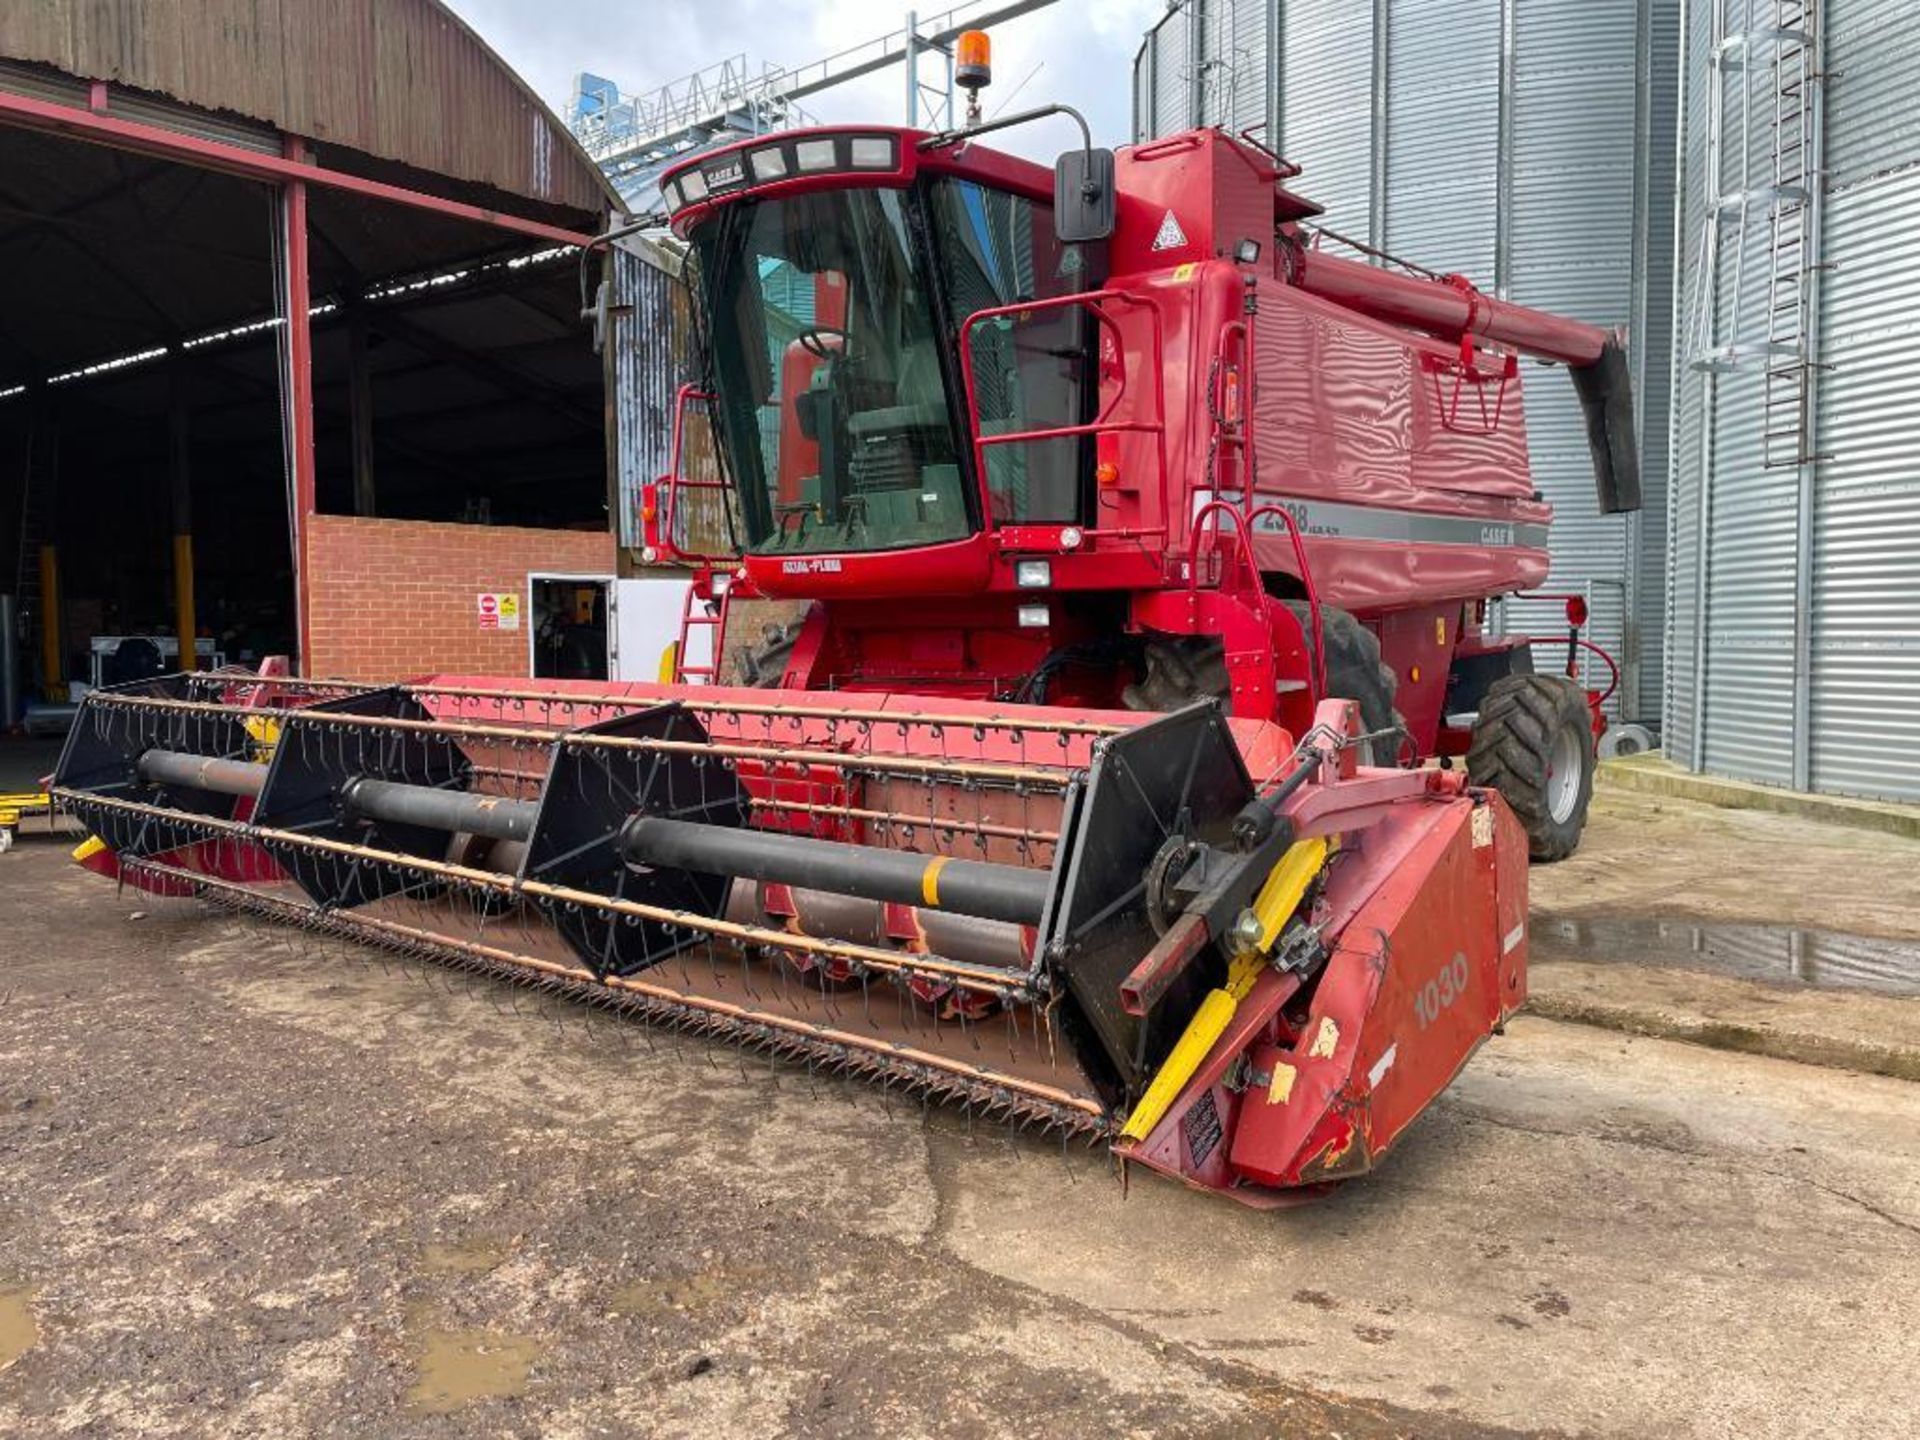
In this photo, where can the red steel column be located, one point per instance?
(299, 393)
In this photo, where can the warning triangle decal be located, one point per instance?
(1170, 236)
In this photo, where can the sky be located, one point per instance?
(1078, 53)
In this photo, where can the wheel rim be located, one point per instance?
(1563, 774)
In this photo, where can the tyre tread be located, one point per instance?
(1510, 752)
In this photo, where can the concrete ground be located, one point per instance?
(260, 1185)
(1652, 855)
(1658, 923)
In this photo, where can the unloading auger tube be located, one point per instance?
(1093, 923)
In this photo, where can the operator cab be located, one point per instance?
(836, 273)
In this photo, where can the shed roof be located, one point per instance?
(403, 80)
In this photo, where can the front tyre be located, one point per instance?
(764, 666)
(1533, 743)
(1356, 672)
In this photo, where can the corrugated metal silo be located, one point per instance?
(1164, 84)
(1795, 567)
(1527, 144)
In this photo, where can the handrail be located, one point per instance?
(1241, 433)
(1243, 538)
(1574, 638)
(1306, 583)
(1613, 666)
(1102, 423)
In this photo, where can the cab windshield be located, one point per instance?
(834, 320)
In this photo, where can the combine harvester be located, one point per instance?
(1147, 546)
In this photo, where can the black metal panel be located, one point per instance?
(314, 762)
(102, 756)
(1181, 774)
(1606, 399)
(589, 794)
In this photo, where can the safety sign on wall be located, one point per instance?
(499, 610)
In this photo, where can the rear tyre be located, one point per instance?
(1533, 743)
(765, 665)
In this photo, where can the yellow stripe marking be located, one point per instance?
(930, 881)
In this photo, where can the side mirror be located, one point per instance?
(1083, 197)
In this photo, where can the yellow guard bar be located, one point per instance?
(1279, 897)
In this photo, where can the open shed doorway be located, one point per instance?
(454, 378)
(142, 471)
(570, 635)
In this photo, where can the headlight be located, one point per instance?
(1035, 617)
(1032, 574)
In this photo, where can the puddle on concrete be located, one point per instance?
(19, 1332)
(468, 1257)
(682, 1292)
(1772, 954)
(456, 1367)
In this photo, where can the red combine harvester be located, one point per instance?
(1144, 542)
(1132, 470)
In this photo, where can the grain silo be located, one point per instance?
(1794, 618)
(1528, 144)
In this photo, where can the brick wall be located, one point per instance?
(392, 598)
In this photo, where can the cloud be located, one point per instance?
(1077, 54)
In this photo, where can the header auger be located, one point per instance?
(1145, 551)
